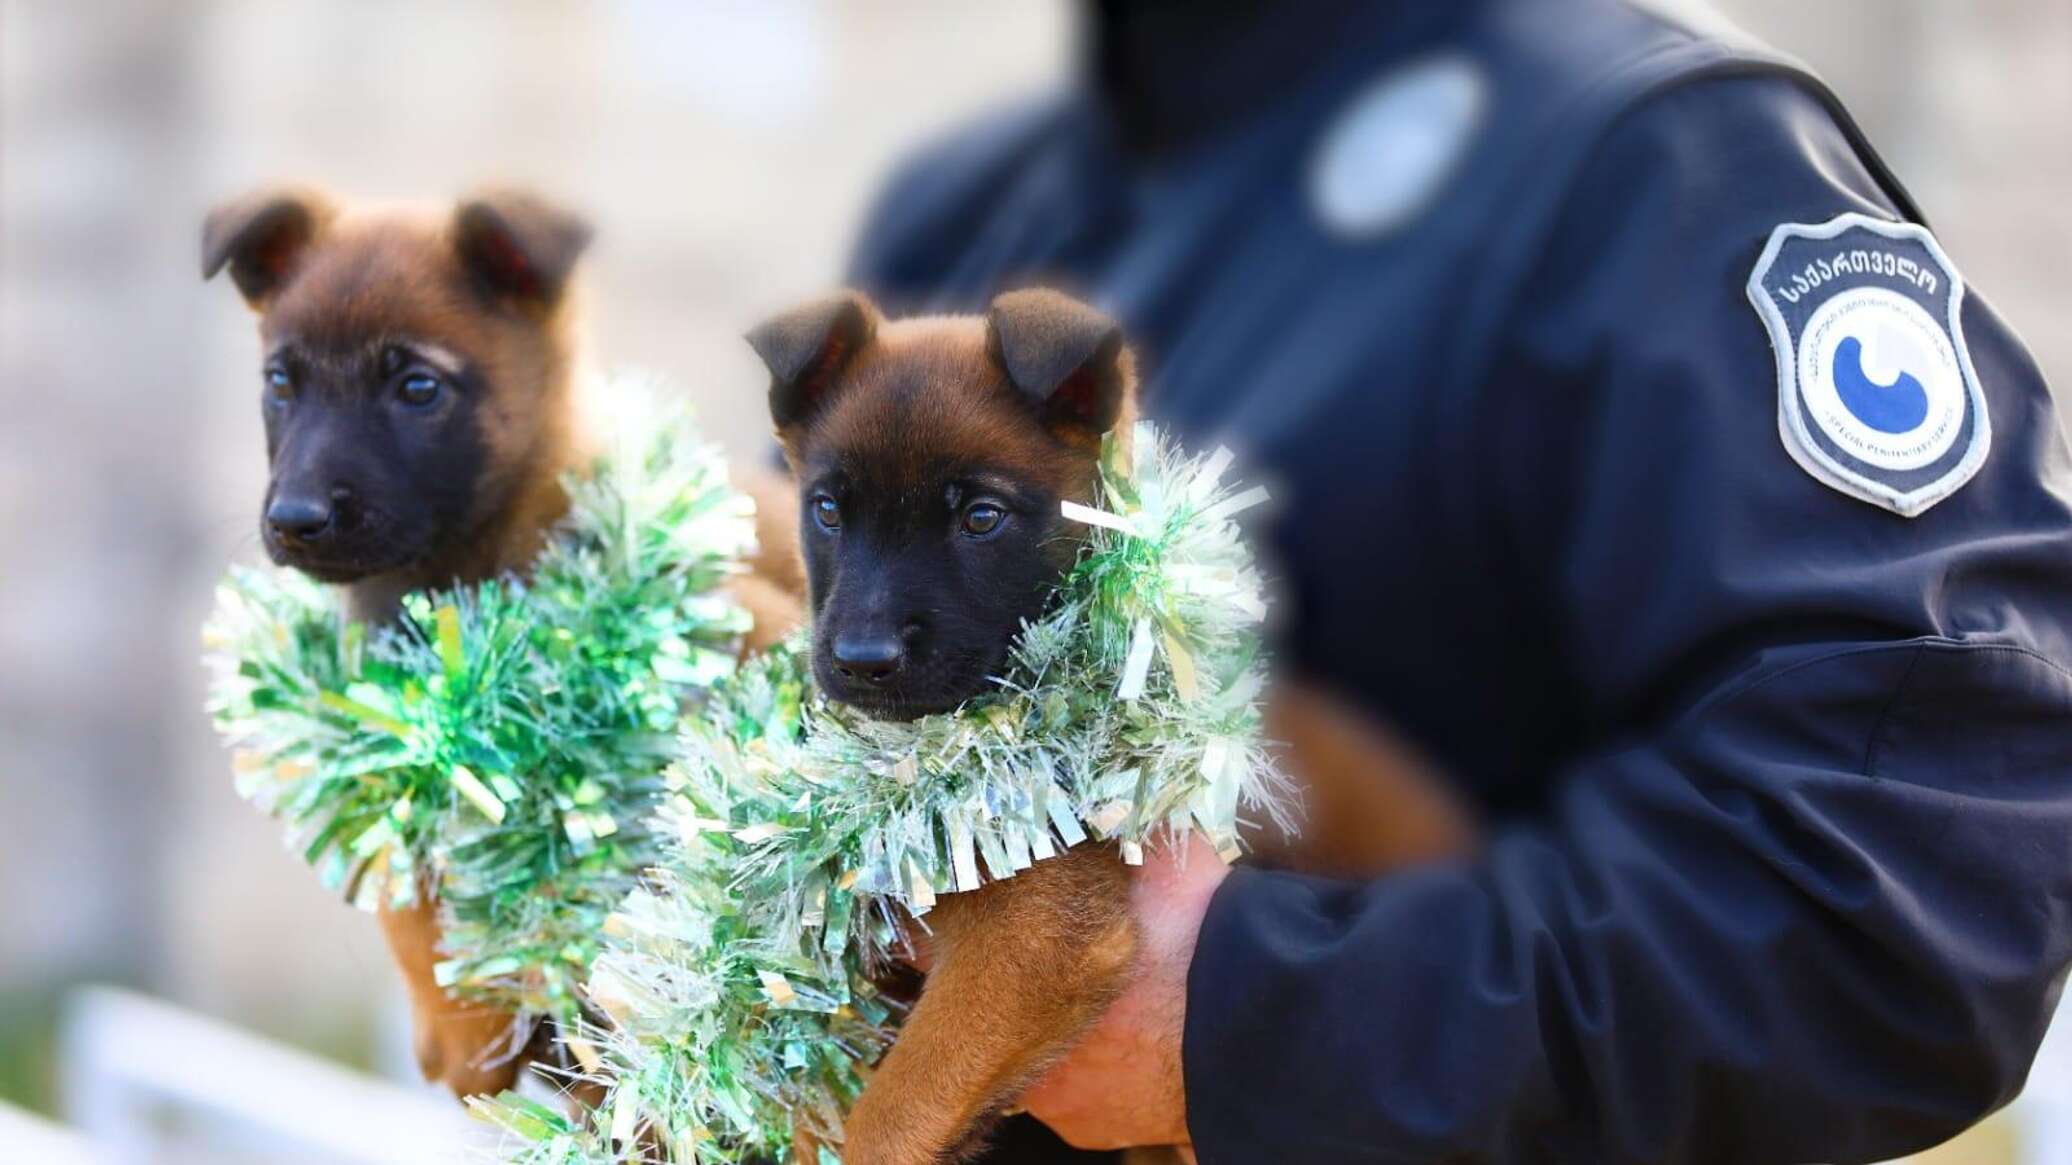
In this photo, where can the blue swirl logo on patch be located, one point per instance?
(1876, 395)
(1898, 407)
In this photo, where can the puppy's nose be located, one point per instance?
(869, 657)
(299, 517)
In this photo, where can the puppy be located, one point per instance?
(931, 457)
(420, 382)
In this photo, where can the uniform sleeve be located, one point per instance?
(1807, 895)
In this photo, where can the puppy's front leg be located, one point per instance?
(1021, 969)
(465, 1046)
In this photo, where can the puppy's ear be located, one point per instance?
(518, 247)
(807, 347)
(1063, 355)
(261, 237)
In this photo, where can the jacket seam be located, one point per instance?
(1920, 645)
(1870, 748)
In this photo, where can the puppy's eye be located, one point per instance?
(418, 388)
(983, 518)
(827, 512)
(279, 385)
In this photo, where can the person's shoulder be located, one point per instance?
(942, 186)
(1610, 51)
(1667, 90)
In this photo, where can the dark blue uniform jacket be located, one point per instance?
(1780, 782)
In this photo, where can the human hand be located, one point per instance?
(1123, 1086)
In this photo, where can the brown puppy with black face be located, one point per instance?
(931, 455)
(420, 393)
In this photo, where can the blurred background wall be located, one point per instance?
(727, 151)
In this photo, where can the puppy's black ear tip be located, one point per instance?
(1062, 353)
(261, 236)
(519, 244)
(215, 256)
(806, 347)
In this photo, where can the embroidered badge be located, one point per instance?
(1876, 395)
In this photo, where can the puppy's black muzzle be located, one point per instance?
(327, 533)
(307, 519)
(869, 659)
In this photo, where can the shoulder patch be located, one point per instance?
(1876, 395)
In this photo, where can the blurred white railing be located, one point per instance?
(146, 1083)
(25, 1136)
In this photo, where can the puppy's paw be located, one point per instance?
(875, 1137)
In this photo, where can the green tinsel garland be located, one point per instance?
(503, 742)
(737, 976)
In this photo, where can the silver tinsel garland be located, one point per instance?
(502, 743)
